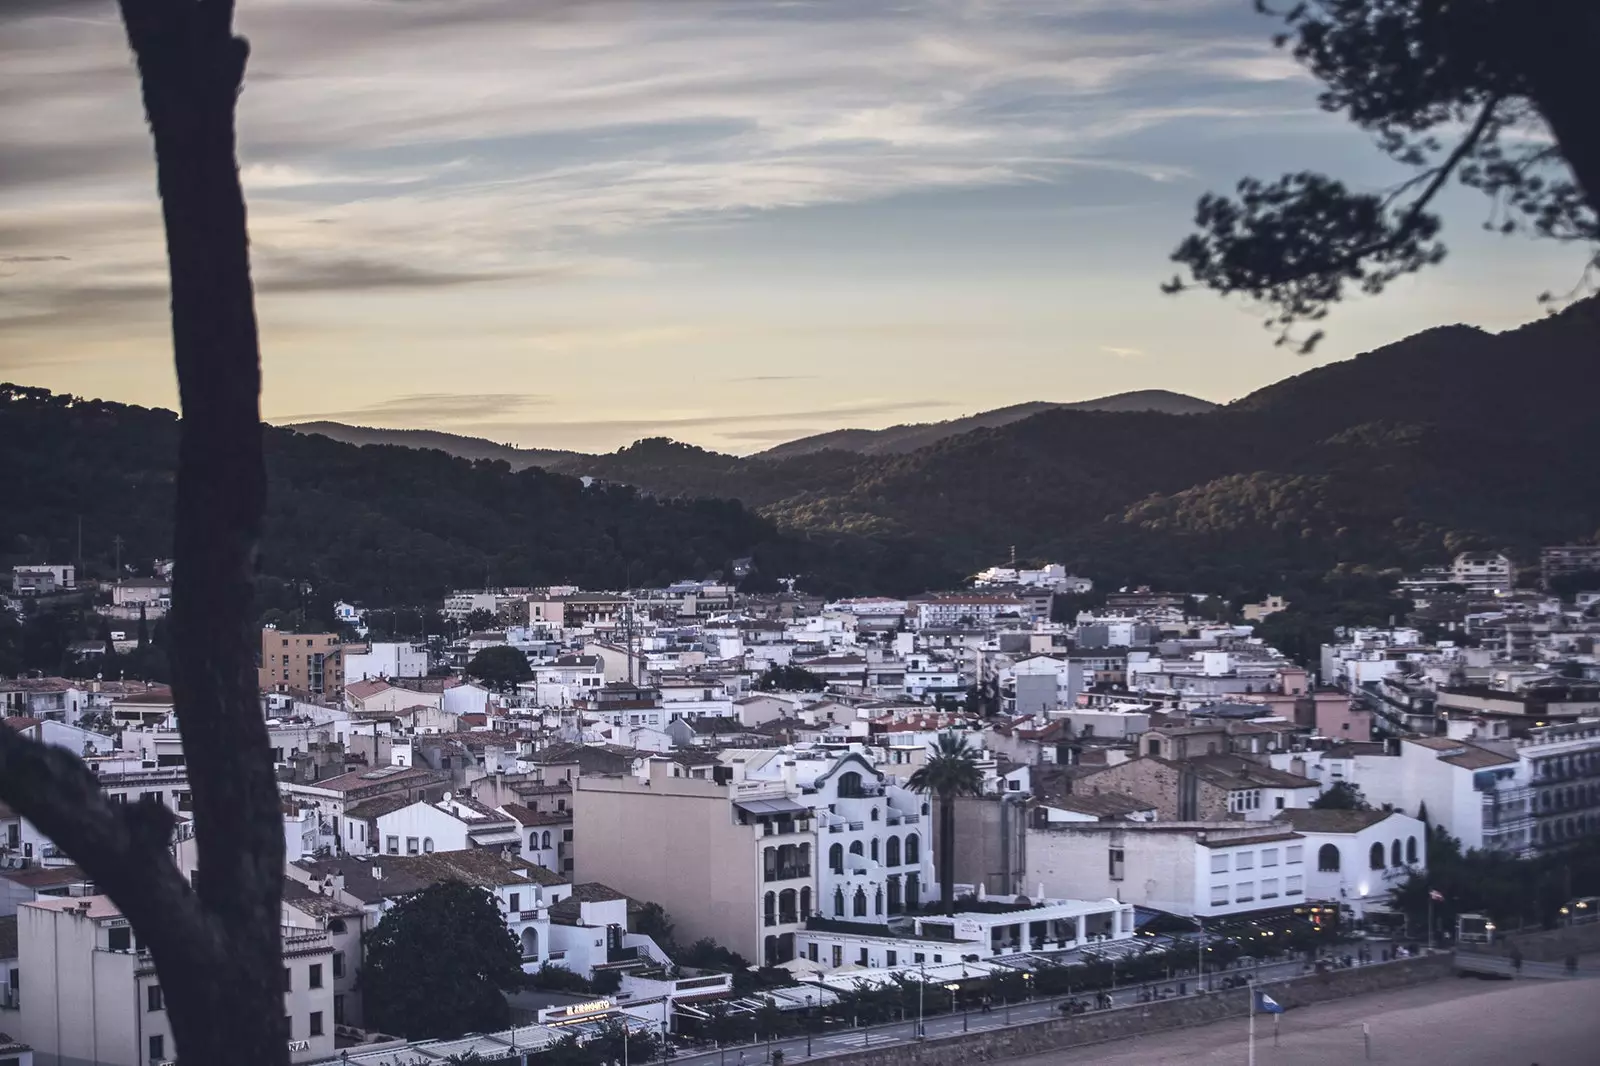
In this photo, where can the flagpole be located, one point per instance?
(1253, 994)
(1430, 919)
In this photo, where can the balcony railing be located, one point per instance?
(788, 873)
(528, 916)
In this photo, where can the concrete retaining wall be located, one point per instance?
(1547, 945)
(1068, 1032)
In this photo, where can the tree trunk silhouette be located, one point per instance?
(216, 947)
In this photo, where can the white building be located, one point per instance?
(386, 660)
(1358, 857)
(974, 936)
(455, 823)
(90, 993)
(1483, 572)
(1208, 869)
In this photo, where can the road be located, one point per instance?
(834, 1041)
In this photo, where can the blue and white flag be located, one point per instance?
(1266, 1003)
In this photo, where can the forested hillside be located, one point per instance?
(380, 523)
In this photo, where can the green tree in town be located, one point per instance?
(951, 770)
(1490, 94)
(789, 679)
(500, 667)
(439, 963)
(1341, 796)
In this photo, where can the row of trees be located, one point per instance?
(1515, 893)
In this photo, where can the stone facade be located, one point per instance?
(1162, 785)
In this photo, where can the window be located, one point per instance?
(1328, 859)
(862, 958)
(838, 956)
(918, 957)
(516, 901)
(1279, 800)
(315, 976)
(1219, 895)
(392, 845)
(836, 858)
(119, 938)
(427, 845)
(1269, 888)
(1115, 857)
(1269, 857)
(875, 848)
(336, 926)
(338, 1010)
(1294, 886)
(1375, 857)
(315, 1028)
(913, 849)
(891, 851)
(1244, 892)
(152, 998)
(1394, 853)
(1411, 850)
(1293, 854)
(890, 958)
(1219, 863)
(158, 1048)
(411, 846)
(288, 979)
(338, 965)
(1244, 860)
(566, 835)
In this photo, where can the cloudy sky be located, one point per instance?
(574, 223)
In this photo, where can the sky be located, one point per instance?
(576, 223)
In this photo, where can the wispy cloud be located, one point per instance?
(1120, 352)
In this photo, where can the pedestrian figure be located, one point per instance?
(1516, 958)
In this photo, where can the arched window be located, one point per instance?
(874, 814)
(427, 845)
(874, 849)
(546, 838)
(1394, 852)
(533, 841)
(805, 903)
(770, 910)
(850, 785)
(1375, 857)
(1328, 859)
(530, 942)
(891, 851)
(786, 902)
(855, 847)
(861, 903)
(336, 926)
(877, 901)
(1411, 850)
(836, 858)
(913, 850)
(838, 903)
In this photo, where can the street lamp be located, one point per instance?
(811, 1023)
(954, 988)
(922, 984)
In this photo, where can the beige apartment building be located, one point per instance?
(90, 993)
(709, 852)
(301, 662)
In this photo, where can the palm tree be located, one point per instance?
(951, 771)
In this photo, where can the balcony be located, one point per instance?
(528, 916)
(622, 954)
(787, 873)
